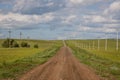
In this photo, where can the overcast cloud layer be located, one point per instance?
(60, 18)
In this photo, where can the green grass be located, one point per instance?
(111, 53)
(14, 69)
(105, 63)
(1, 41)
(10, 55)
(111, 44)
(41, 43)
(16, 61)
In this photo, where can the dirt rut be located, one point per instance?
(63, 66)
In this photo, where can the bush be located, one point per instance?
(10, 43)
(15, 44)
(25, 44)
(36, 46)
(6, 44)
(28, 46)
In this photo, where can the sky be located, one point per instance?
(60, 19)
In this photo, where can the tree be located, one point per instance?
(15, 44)
(28, 46)
(5, 44)
(10, 43)
(36, 46)
(25, 44)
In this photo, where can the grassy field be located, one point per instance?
(1, 41)
(41, 43)
(10, 55)
(105, 62)
(111, 52)
(15, 61)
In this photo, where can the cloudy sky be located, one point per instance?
(59, 19)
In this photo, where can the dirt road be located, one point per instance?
(63, 66)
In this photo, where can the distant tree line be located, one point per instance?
(11, 43)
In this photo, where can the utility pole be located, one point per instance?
(117, 43)
(93, 44)
(106, 42)
(89, 46)
(28, 37)
(98, 43)
(9, 34)
(20, 35)
(1, 35)
(9, 38)
(82, 45)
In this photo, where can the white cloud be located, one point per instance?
(1, 34)
(68, 19)
(83, 28)
(37, 6)
(109, 30)
(19, 20)
(114, 7)
(25, 4)
(50, 4)
(88, 13)
(84, 2)
(111, 27)
(94, 18)
(6, 1)
(113, 10)
(76, 1)
(99, 19)
(61, 38)
(73, 34)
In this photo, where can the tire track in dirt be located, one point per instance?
(63, 66)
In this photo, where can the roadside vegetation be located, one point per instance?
(105, 63)
(16, 61)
